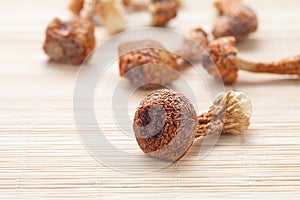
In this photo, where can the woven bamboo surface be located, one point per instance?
(41, 156)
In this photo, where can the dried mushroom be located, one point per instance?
(157, 66)
(69, 41)
(111, 13)
(165, 122)
(147, 63)
(236, 19)
(162, 11)
(222, 61)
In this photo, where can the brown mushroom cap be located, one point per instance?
(236, 19)
(147, 63)
(221, 59)
(163, 11)
(165, 124)
(194, 44)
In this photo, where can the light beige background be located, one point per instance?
(41, 156)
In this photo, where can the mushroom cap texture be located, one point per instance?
(237, 19)
(221, 59)
(165, 124)
(69, 41)
(147, 63)
(163, 11)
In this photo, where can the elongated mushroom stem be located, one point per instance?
(221, 61)
(289, 65)
(230, 113)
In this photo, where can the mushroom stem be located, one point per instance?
(204, 124)
(110, 12)
(113, 15)
(289, 65)
(222, 62)
(230, 113)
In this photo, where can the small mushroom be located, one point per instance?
(165, 123)
(147, 63)
(162, 11)
(111, 13)
(236, 19)
(156, 65)
(222, 61)
(70, 41)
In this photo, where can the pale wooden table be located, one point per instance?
(41, 156)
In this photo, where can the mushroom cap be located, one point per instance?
(193, 45)
(163, 11)
(146, 63)
(198, 35)
(165, 124)
(69, 41)
(221, 59)
(237, 19)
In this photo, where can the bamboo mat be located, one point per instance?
(41, 156)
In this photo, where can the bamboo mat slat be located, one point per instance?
(41, 156)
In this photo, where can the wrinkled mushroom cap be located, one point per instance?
(221, 59)
(237, 19)
(163, 11)
(165, 124)
(146, 63)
